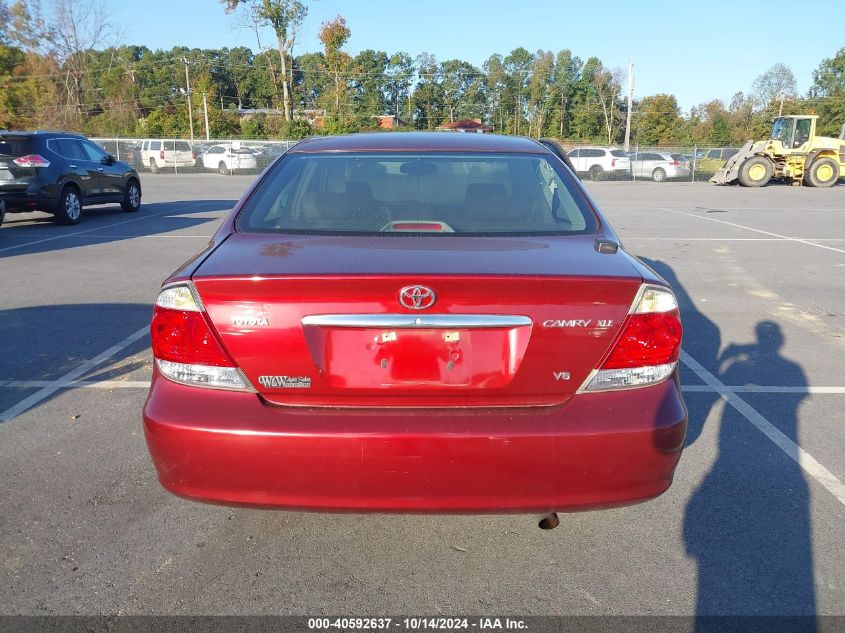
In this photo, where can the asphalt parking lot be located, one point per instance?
(754, 523)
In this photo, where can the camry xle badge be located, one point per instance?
(285, 382)
(416, 297)
(567, 323)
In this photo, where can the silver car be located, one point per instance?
(659, 166)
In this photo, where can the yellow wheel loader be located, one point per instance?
(793, 153)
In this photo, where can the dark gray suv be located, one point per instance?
(60, 173)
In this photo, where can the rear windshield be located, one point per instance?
(619, 153)
(181, 146)
(476, 194)
(21, 146)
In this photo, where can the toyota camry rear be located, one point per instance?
(416, 322)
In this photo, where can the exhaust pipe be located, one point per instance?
(549, 522)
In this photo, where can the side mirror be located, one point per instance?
(108, 159)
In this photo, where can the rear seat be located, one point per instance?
(487, 205)
(355, 209)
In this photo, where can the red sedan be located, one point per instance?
(416, 322)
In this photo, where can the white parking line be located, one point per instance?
(153, 237)
(77, 384)
(763, 389)
(72, 375)
(100, 228)
(736, 239)
(641, 207)
(806, 461)
(748, 228)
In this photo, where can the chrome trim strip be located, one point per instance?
(411, 321)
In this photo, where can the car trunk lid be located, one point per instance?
(346, 321)
(13, 176)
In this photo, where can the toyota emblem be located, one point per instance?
(416, 297)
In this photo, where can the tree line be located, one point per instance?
(61, 67)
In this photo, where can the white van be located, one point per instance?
(158, 155)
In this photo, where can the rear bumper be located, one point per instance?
(244, 166)
(599, 450)
(679, 173)
(20, 201)
(35, 194)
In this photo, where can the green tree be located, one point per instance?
(398, 82)
(369, 81)
(658, 120)
(165, 121)
(540, 92)
(828, 93)
(463, 90)
(496, 80)
(29, 95)
(743, 122)
(334, 34)
(720, 133)
(566, 74)
(518, 65)
(310, 79)
(285, 17)
(587, 118)
(428, 94)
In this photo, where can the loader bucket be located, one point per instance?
(729, 172)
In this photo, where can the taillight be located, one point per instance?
(184, 345)
(613, 162)
(161, 154)
(647, 350)
(194, 154)
(32, 160)
(675, 163)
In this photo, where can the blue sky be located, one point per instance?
(696, 50)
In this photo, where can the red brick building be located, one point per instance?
(473, 126)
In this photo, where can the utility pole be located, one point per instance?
(205, 110)
(188, 96)
(563, 100)
(780, 110)
(630, 106)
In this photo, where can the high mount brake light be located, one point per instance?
(32, 160)
(184, 345)
(646, 351)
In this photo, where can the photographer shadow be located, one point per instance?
(748, 523)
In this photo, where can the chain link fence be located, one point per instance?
(177, 156)
(652, 163)
(250, 157)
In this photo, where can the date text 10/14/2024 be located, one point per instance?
(416, 623)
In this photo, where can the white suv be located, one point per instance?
(601, 163)
(157, 155)
(228, 158)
